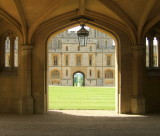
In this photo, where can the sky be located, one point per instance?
(76, 28)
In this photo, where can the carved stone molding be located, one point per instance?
(26, 46)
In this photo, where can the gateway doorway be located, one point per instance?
(78, 79)
(81, 78)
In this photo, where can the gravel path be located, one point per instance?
(79, 123)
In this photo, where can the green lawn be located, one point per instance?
(82, 98)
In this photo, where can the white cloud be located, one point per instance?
(77, 28)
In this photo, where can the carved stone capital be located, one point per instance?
(26, 46)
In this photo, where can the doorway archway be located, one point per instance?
(81, 66)
(78, 79)
(123, 74)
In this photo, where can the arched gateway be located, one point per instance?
(123, 92)
(78, 79)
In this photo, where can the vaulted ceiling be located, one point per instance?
(29, 14)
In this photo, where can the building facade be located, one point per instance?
(95, 62)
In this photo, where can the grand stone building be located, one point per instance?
(96, 61)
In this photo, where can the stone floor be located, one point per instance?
(79, 123)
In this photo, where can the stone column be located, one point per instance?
(25, 71)
(12, 40)
(138, 61)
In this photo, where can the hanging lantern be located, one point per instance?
(82, 36)
(82, 33)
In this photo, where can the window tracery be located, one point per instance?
(55, 60)
(55, 74)
(9, 51)
(152, 51)
(109, 74)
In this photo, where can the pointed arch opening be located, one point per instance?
(83, 66)
(78, 79)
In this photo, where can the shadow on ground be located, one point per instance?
(59, 123)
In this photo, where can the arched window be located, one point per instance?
(7, 52)
(109, 74)
(152, 51)
(55, 74)
(10, 48)
(55, 60)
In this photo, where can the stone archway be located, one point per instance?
(78, 79)
(123, 62)
(80, 69)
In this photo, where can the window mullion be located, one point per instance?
(12, 52)
(150, 43)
